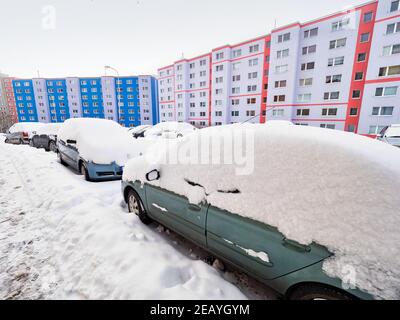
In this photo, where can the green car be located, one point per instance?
(293, 270)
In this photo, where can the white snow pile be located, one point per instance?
(170, 130)
(334, 188)
(49, 129)
(29, 127)
(101, 141)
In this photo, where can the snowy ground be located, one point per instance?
(62, 237)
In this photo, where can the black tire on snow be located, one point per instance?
(318, 292)
(144, 218)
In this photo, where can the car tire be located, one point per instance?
(318, 292)
(6, 141)
(84, 171)
(180, 135)
(31, 143)
(21, 141)
(135, 206)
(61, 160)
(52, 146)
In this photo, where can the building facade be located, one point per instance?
(131, 101)
(339, 72)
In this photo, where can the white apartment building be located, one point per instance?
(338, 72)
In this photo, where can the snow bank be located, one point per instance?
(29, 127)
(335, 188)
(49, 129)
(101, 141)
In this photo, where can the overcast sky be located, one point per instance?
(78, 37)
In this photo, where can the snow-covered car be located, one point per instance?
(15, 138)
(46, 137)
(391, 135)
(312, 213)
(139, 131)
(170, 130)
(97, 148)
(27, 129)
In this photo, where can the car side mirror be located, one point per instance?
(71, 141)
(153, 175)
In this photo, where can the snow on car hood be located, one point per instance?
(101, 141)
(334, 188)
(49, 129)
(26, 127)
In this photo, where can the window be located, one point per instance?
(340, 25)
(219, 80)
(219, 68)
(236, 78)
(394, 6)
(220, 55)
(329, 112)
(327, 126)
(353, 112)
(304, 97)
(306, 82)
(390, 50)
(237, 53)
(359, 76)
(278, 112)
(250, 113)
(309, 50)
(368, 16)
(236, 90)
(382, 111)
(235, 102)
(303, 112)
(385, 91)
(361, 57)
(376, 129)
(203, 62)
(307, 66)
(236, 66)
(281, 69)
(192, 65)
(335, 61)
(282, 53)
(235, 113)
(311, 33)
(334, 79)
(393, 28)
(253, 62)
(334, 44)
(202, 73)
(364, 37)
(280, 98)
(253, 75)
(389, 71)
(251, 88)
(192, 75)
(280, 84)
(331, 95)
(356, 94)
(254, 48)
(251, 101)
(284, 37)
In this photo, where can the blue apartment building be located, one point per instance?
(131, 100)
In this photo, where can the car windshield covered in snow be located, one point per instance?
(332, 188)
(100, 141)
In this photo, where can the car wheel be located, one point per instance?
(21, 141)
(318, 292)
(84, 171)
(52, 146)
(180, 135)
(61, 159)
(135, 206)
(6, 141)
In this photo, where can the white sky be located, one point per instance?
(135, 36)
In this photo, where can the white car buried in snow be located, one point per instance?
(170, 130)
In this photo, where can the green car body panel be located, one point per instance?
(253, 247)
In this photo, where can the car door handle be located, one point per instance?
(296, 246)
(193, 207)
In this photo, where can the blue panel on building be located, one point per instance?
(25, 100)
(58, 100)
(92, 98)
(127, 92)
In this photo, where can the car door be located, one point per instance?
(70, 153)
(175, 212)
(255, 247)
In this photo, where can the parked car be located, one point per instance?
(170, 130)
(139, 131)
(26, 129)
(391, 135)
(96, 148)
(288, 220)
(15, 138)
(46, 137)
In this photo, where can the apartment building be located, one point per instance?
(337, 72)
(131, 101)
